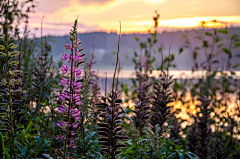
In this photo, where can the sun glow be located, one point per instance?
(154, 1)
(135, 16)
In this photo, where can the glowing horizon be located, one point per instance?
(135, 15)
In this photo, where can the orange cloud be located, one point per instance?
(136, 15)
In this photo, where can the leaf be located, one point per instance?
(1, 145)
(12, 46)
(47, 156)
(216, 39)
(195, 156)
(16, 71)
(143, 45)
(226, 50)
(15, 53)
(14, 63)
(180, 50)
(180, 155)
(208, 34)
(136, 38)
(205, 43)
(3, 130)
(220, 45)
(3, 54)
(103, 125)
(172, 154)
(28, 127)
(38, 141)
(2, 47)
(3, 104)
(81, 62)
(237, 65)
(195, 54)
(7, 154)
(4, 81)
(16, 91)
(223, 31)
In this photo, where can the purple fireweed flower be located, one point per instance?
(64, 69)
(77, 118)
(79, 72)
(59, 111)
(74, 146)
(79, 103)
(61, 97)
(67, 46)
(78, 58)
(71, 93)
(78, 53)
(71, 140)
(69, 59)
(70, 97)
(75, 125)
(68, 82)
(58, 137)
(63, 81)
(73, 70)
(60, 124)
(65, 57)
(79, 85)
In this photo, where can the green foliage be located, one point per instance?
(1, 145)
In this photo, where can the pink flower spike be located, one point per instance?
(73, 134)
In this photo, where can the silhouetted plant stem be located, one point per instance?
(117, 59)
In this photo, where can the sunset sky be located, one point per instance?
(135, 15)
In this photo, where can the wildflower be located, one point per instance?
(75, 125)
(69, 59)
(64, 69)
(67, 46)
(63, 81)
(78, 58)
(73, 70)
(79, 72)
(60, 124)
(65, 57)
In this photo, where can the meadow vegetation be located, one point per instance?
(57, 110)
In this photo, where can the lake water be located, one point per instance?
(176, 73)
